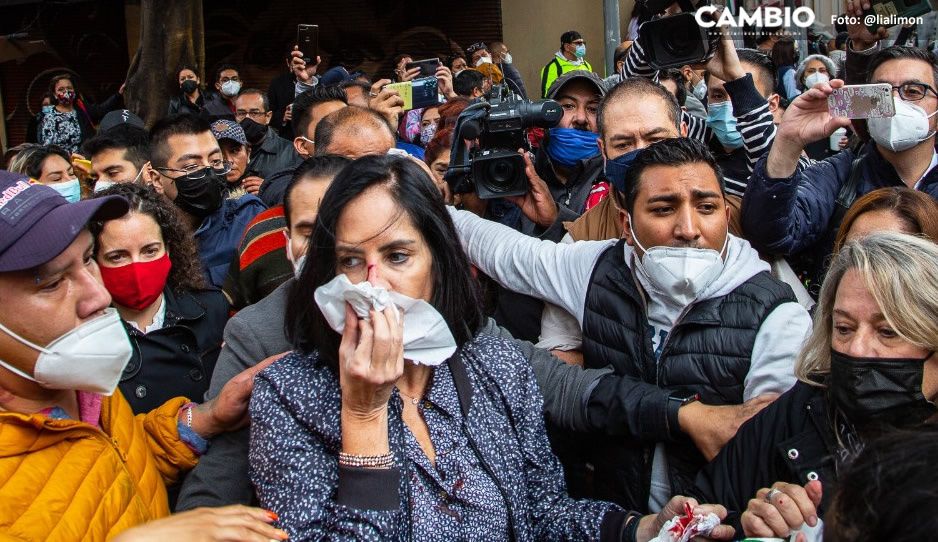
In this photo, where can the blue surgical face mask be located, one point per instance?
(567, 146)
(616, 168)
(720, 119)
(47, 108)
(580, 51)
(70, 190)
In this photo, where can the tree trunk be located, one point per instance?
(172, 34)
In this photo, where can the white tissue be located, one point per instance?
(427, 338)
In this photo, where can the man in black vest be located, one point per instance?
(699, 335)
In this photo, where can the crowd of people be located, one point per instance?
(279, 314)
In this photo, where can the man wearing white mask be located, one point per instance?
(76, 462)
(228, 84)
(792, 210)
(697, 331)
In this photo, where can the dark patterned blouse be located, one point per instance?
(495, 477)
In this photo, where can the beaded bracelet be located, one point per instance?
(385, 461)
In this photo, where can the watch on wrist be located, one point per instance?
(681, 398)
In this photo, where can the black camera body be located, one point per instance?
(676, 40)
(494, 169)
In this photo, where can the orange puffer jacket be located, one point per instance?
(65, 480)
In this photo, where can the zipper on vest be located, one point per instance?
(664, 347)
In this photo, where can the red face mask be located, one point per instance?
(137, 285)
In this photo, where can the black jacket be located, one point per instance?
(281, 93)
(178, 359)
(275, 154)
(792, 440)
(707, 352)
(209, 105)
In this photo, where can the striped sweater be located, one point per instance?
(262, 262)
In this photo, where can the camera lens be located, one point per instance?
(684, 39)
(501, 175)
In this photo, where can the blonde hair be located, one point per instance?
(901, 273)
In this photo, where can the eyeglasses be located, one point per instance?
(254, 114)
(913, 92)
(196, 171)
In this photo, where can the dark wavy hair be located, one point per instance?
(186, 274)
(455, 293)
(888, 490)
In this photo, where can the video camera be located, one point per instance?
(494, 168)
(675, 40)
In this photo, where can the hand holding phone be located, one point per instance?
(427, 66)
(307, 40)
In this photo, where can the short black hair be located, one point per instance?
(260, 93)
(182, 124)
(345, 85)
(761, 62)
(569, 36)
(897, 468)
(466, 81)
(668, 152)
(347, 118)
(455, 292)
(304, 103)
(637, 88)
(675, 76)
(314, 167)
(133, 140)
(898, 52)
(225, 66)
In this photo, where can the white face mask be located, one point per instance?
(89, 358)
(906, 129)
(815, 78)
(681, 273)
(298, 264)
(483, 60)
(508, 59)
(427, 338)
(700, 90)
(101, 186)
(230, 88)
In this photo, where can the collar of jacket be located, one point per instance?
(877, 167)
(27, 433)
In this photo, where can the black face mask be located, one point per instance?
(201, 197)
(188, 86)
(887, 390)
(253, 131)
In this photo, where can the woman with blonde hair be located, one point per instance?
(869, 366)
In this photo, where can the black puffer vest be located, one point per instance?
(708, 352)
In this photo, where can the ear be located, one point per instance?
(683, 129)
(773, 102)
(300, 148)
(217, 86)
(626, 226)
(602, 146)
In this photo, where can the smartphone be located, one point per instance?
(890, 13)
(427, 66)
(418, 93)
(307, 39)
(862, 101)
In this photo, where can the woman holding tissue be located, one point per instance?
(869, 367)
(394, 419)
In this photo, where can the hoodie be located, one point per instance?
(561, 274)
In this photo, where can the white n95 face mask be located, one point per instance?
(681, 273)
(815, 78)
(906, 129)
(427, 338)
(89, 358)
